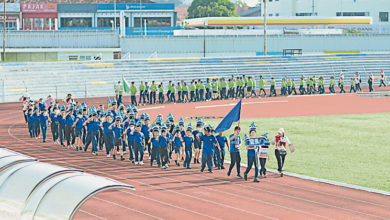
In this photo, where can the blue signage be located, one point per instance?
(258, 141)
(124, 7)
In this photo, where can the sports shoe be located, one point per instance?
(117, 152)
(124, 152)
(93, 153)
(228, 173)
(256, 180)
(210, 171)
(114, 157)
(245, 176)
(239, 176)
(108, 155)
(281, 174)
(141, 163)
(136, 162)
(222, 167)
(122, 158)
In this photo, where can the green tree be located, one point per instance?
(211, 8)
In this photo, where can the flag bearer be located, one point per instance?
(222, 140)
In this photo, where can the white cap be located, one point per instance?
(281, 131)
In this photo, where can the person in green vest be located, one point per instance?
(201, 90)
(238, 89)
(214, 85)
(179, 91)
(314, 84)
(249, 87)
(352, 88)
(133, 94)
(283, 87)
(272, 90)
(261, 86)
(321, 89)
(161, 93)
(119, 92)
(293, 87)
(223, 88)
(192, 91)
(208, 89)
(231, 89)
(311, 83)
(331, 85)
(169, 91)
(147, 92)
(184, 92)
(244, 84)
(173, 95)
(253, 92)
(308, 89)
(302, 86)
(153, 89)
(288, 84)
(197, 86)
(141, 93)
(341, 84)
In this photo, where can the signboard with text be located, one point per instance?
(38, 7)
(124, 6)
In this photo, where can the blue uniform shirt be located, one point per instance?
(129, 136)
(80, 122)
(177, 141)
(145, 131)
(208, 143)
(155, 142)
(251, 153)
(234, 142)
(43, 119)
(163, 141)
(182, 133)
(118, 130)
(41, 106)
(69, 120)
(53, 117)
(221, 141)
(60, 119)
(34, 117)
(138, 137)
(105, 127)
(188, 142)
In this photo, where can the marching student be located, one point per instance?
(308, 87)
(188, 142)
(231, 89)
(153, 89)
(222, 140)
(321, 88)
(179, 89)
(108, 134)
(252, 153)
(263, 156)
(197, 91)
(92, 131)
(289, 85)
(223, 86)
(43, 119)
(358, 80)
(69, 131)
(314, 81)
(184, 92)
(281, 141)
(214, 85)
(341, 84)
(133, 93)
(283, 88)
(161, 98)
(249, 87)
(141, 99)
(78, 128)
(197, 141)
(261, 86)
(235, 143)
(163, 141)
(145, 129)
(61, 127)
(118, 129)
(119, 92)
(155, 141)
(169, 91)
(30, 122)
(209, 141)
(352, 88)
(35, 121)
(331, 85)
(293, 87)
(54, 124)
(139, 143)
(272, 89)
(178, 143)
(382, 79)
(208, 90)
(146, 93)
(192, 91)
(201, 90)
(302, 85)
(173, 95)
(370, 82)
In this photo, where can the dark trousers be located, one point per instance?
(119, 101)
(223, 93)
(138, 150)
(91, 137)
(217, 157)
(235, 160)
(133, 100)
(196, 95)
(263, 170)
(342, 89)
(36, 128)
(69, 134)
(382, 82)
(141, 96)
(61, 133)
(272, 91)
(164, 155)
(161, 97)
(301, 89)
(293, 90)
(43, 129)
(155, 156)
(131, 149)
(192, 96)
(179, 96)
(308, 89)
(173, 97)
(280, 159)
(331, 89)
(289, 90)
(187, 161)
(208, 94)
(54, 130)
(371, 89)
(201, 95)
(207, 158)
(352, 88)
(30, 129)
(108, 141)
(252, 160)
(152, 99)
(148, 145)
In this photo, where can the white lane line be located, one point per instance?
(244, 103)
(151, 108)
(124, 207)
(88, 213)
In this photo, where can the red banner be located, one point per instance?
(38, 7)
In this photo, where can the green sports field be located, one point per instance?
(353, 149)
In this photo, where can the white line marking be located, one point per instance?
(151, 108)
(244, 103)
(88, 213)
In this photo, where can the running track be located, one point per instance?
(178, 193)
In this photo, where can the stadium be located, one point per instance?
(172, 109)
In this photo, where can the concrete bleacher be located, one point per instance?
(94, 79)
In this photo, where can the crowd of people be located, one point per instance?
(121, 130)
(237, 87)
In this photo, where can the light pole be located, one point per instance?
(4, 32)
(265, 27)
(115, 14)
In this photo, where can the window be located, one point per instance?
(36, 23)
(352, 13)
(270, 15)
(384, 16)
(153, 22)
(108, 22)
(303, 14)
(76, 22)
(276, 14)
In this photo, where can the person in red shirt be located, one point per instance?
(281, 141)
(370, 82)
(383, 76)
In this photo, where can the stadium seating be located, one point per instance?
(93, 79)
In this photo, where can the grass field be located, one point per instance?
(353, 149)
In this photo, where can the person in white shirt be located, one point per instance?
(371, 82)
(382, 79)
(281, 141)
(357, 82)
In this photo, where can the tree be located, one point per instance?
(211, 8)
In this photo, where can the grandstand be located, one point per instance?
(94, 79)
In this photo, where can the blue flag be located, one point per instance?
(232, 116)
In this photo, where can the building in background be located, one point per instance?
(251, 12)
(39, 16)
(73, 16)
(12, 21)
(378, 9)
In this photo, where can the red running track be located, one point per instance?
(179, 193)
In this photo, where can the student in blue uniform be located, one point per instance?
(130, 138)
(252, 153)
(54, 124)
(155, 142)
(35, 118)
(85, 117)
(177, 143)
(78, 130)
(61, 128)
(217, 152)
(209, 141)
(108, 134)
(92, 130)
(235, 143)
(139, 143)
(69, 131)
(188, 142)
(118, 129)
(145, 129)
(43, 119)
(30, 122)
(163, 141)
(222, 141)
(197, 141)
